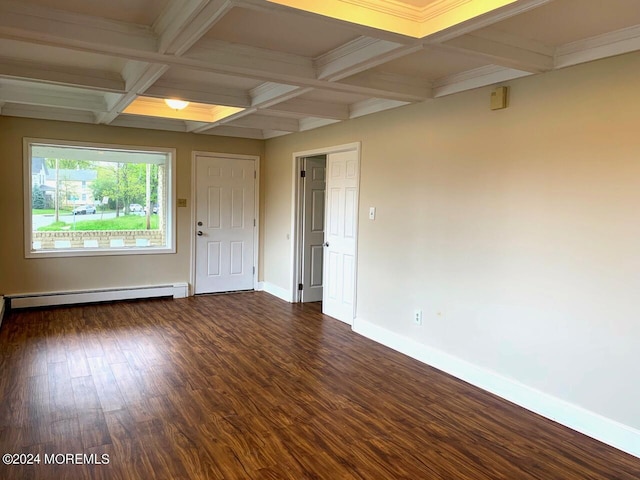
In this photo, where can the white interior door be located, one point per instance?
(341, 236)
(225, 222)
(313, 229)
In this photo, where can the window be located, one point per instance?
(97, 199)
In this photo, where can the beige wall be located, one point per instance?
(20, 275)
(520, 225)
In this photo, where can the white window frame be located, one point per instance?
(170, 246)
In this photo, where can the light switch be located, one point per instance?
(372, 213)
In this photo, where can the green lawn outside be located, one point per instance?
(128, 222)
(63, 211)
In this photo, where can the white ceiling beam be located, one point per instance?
(47, 97)
(270, 93)
(311, 123)
(57, 75)
(72, 30)
(311, 108)
(505, 50)
(180, 26)
(407, 89)
(373, 105)
(48, 113)
(478, 77)
(215, 57)
(229, 131)
(152, 123)
(358, 55)
(263, 96)
(601, 46)
(483, 21)
(200, 93)
(251, 61)
(265, 122)
(139, 76)
(184, 22)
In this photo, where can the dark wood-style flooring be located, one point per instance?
(248, 387)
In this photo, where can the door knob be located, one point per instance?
(326, 244)
(199, 233)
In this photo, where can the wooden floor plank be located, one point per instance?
(246, 386)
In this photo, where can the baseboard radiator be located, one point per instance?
(178, 290)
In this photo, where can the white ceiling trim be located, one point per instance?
(265, 122)
(42, 96)
(486, 20)
(358, 55)
(199, 93)
(601, 46)
(407, 11)
(138, 77)
(501, 53)
(67, 76)
(242, 132)
(312, 108)
(479, 77)
(48, 113)
(373, 105)
(56, 27)
(409, 89)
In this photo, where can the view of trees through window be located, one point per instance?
(85, 197)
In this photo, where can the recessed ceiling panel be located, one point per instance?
(296, 34)
(142, 12)
(565, 21)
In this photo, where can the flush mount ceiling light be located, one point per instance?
(176, 104)
(412, 18)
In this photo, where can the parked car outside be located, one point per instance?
(135, 207)
(84, 209)
(154, 209)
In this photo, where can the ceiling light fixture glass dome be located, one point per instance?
(176, 104)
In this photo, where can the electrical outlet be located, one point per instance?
(417, 317)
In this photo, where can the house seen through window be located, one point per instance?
(97, 200)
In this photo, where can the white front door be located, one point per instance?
(340, 236)
(313, 234)
(225, 222)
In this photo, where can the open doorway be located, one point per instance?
(325, 229)
(312, 209)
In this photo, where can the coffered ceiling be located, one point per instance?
(260, 69)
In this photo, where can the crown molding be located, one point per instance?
(409, 12)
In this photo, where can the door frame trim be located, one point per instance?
(192, 228)
(296, 215)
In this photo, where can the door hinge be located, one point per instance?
(299, 286)
(254, 270)
(254, 222)
(255, 174)
(303, 173)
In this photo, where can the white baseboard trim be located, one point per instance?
(1, 309)
(178, 290)
(259, 287)
(596, 426)
(281, 293)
